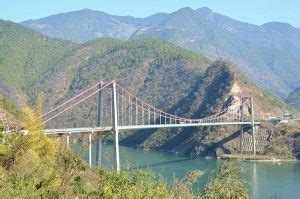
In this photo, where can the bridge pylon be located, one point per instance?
(100, 117)
(115, 128)
(252, 124)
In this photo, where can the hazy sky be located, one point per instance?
(252, 11)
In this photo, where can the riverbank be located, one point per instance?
(265, 179)
(238, 157)
(254, 158)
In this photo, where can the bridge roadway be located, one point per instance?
(108, 129)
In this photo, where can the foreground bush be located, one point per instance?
(36, 166)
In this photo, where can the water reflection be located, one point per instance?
(254, 182)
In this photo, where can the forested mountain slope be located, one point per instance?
(27, 58)
(267, 54)
(219, 87)
(164, 75)
(10, 115)
(294, 99)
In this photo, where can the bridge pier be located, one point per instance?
(99, 151)
(241, 139)
(253, 127)
(242, 127)
(90, 148)
(115, 128)
(117, 153)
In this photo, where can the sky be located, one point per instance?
(251, 11)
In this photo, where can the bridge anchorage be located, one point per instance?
(120, 110)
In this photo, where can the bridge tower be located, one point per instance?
(253, 133)
(115, 127)
(99, 124)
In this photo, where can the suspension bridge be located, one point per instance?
(118, 110)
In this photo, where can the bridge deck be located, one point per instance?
(108, 129)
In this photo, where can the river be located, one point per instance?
(266, 180)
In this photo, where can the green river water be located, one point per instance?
(266, 180)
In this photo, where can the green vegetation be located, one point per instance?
(2, 127)
(8, 105)
(227, 184)
(279, 148)
(115, 59)
(285, 142)
(34, 166)
(10, 112)
(33, 63)
(27, 57)
(251, 47)
(283, 145)
(247, 157)
(294, 99)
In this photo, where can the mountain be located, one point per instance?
(267, 54)
(220, 87)
(163, 74)
(294, 99)
(32, 63)
(27, 57)
(84, 25)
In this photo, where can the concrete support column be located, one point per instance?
(90, 148)
(242, 127)
(253, 127)
(99, 124)
(99, 151)
(115, 127)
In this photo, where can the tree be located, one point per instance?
(227, 183)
